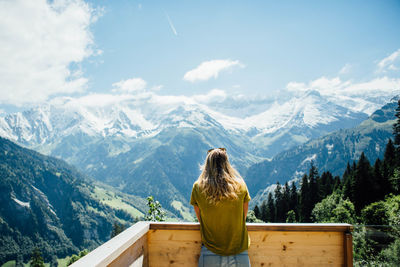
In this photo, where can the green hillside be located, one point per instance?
(48, 204)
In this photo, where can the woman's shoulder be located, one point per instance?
(196, 184)
(242, 184)
(241, 181)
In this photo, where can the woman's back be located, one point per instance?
(220, 199)
(223, 225)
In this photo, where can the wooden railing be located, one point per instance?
(178, 244)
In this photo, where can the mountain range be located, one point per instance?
(331, 152)
(148, 144)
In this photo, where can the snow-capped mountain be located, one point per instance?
(289, 123)
(151, 144)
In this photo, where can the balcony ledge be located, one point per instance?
(272, 244)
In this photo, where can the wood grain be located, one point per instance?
(268, 248)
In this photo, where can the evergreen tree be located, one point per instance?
(53, 261)
(337, 185)
(390, 157)
(286, 200)
(313, 185)
(293, 202)
(19, 262)
(396, 126)
(279, 205)
(362, 184)
(257, 212)
(386, 186)
(395, 182)
(270, 209)
(348, 182)
(264, 211)
(378, 182)
(117, 229)
(325, 185)
(305, 200)
(36, 259)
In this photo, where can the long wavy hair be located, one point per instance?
(218, 179)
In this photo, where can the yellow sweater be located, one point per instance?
(223, 225)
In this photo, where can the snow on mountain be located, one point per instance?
(290, 121)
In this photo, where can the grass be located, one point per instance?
(114, 201)
(63, 262)
(9, 264)
(184, 211)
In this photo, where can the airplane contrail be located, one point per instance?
(171, 25)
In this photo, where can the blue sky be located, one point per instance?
(246, 47)
(277, 41)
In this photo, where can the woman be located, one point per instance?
(220, 199)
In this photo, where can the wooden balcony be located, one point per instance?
(178, 244)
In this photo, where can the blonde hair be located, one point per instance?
(218, 179)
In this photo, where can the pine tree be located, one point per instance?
(337, 184)
(36, 259)
(325, 185)
(313, 186)
(270, 209)
(257, 212)
(396, 125)
(386, 185)
(286, 200)
(362, 184)
(378, 182)
(390, 156)
(279, 205)
(117, 229)
(348, 182)
(19, 262)
(264, 211)
(294, 197)
(305, 200)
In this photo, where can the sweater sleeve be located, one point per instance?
(193, 200)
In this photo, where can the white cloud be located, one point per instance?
(335, 86)
(40, 41)
(214, 95)
(362, 96)
(157, 87)
(130, 85)
(389, 62)
(346, 69)
(209, 69)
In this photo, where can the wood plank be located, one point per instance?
(268, 248)
(309, 237)
(348, 250)
(181, 235)
(302, 227)
(278, 261)
(139, 250)
(112, 249)
(174, 247)
(174, 226)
